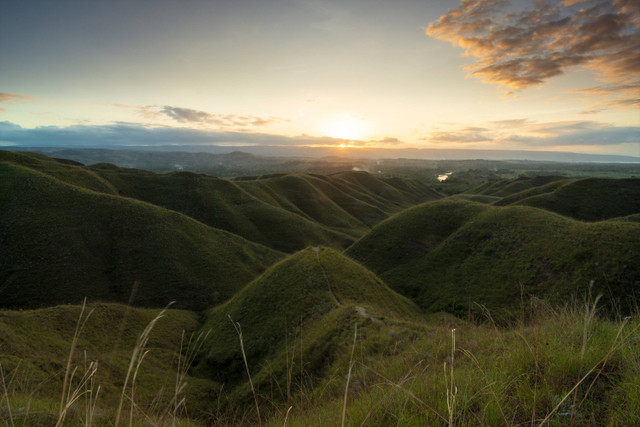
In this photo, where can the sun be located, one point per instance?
(346, 127)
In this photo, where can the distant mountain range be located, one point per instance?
(361, 153)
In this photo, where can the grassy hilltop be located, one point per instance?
(308, 299)
(448, 255)
(311, 290)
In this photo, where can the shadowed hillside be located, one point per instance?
(284, 212)
(348, 201)
(61, 169)
(61, 243)
(316, 289)
(590, 199)
(507, 187)
(223, 204)
(447, 255)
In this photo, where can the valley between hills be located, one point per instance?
(501, 296)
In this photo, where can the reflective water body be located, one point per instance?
(444, 176)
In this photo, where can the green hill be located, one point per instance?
(412, 233)
(318, 292)
(449, 254)
(222, 204)
(350, 202)
(61, 169)
(590, 199)
(284, 212)
(61, 242)
(507, 187)
(35, 346)
(534, 191)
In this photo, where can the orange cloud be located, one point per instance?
(518, 50)
(12, 98)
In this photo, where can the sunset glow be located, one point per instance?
(442, 74)
(346, 127)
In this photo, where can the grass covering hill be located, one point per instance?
(411, 234)
(589, 199)
(563, 367)
(556, 366)
(311, 300)
(286, 213)
(534, 191)
(61, 169)
(35, 347)
(61, 242)
(447, 255)
(223, 204)
(350, 202)
(507, 187)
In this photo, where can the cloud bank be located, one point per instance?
(537, 134)
(526, 48)
(134, 134)
(188, 115)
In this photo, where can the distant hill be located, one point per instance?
(286, 212)
(141, 153)
(445, 255)
(222, 204)
(589, 199)
(61, 242)
(507, 187)
(316, 289)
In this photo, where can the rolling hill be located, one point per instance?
(589, 199)
(61, 242)
(222, 204)
(317, 292)
(285, 212)
(368, 330)
(449, 254)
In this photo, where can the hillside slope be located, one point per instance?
(283, 212)
(60, 243)
(449, 254)
(589, 199)
(316, 290)
(223, 204)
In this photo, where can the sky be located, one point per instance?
(476, 74)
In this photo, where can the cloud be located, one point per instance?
(462, 136)
(541, 134)
(386, 140)
(188, 115)
(526, 48)
(12, 98)
(134, 134)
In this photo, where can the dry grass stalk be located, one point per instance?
(346, 387)
(194, 345)
(246, 365)
(68, 397)
(137, 356)
(5, 394)
(602, 362)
